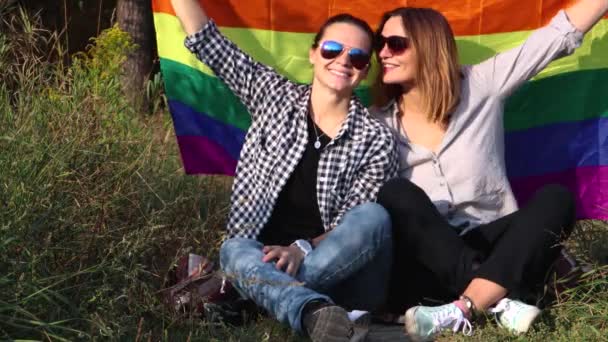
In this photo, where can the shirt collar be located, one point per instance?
(353, 126)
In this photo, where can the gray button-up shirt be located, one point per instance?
(466, 178)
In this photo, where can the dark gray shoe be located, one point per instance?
(326, 322)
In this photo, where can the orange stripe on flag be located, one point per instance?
(471, 17)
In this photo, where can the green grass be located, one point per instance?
(95, 208)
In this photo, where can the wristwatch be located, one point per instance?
(304, 245)
(468, 303)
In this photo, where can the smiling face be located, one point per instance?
(338, 74)
(417, 50)
(398, 67)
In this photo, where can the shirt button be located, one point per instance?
(442, 183)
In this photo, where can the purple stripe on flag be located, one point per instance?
(558, 147)
(589, 185)
(202, 155)
(188, 122)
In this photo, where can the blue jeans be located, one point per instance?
(350, 267)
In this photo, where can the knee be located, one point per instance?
(558, 194)
(554, 209)
(375, 222)
(400, 193)
(560, 201)
(226, 251)
(229, 252)
(389, 192)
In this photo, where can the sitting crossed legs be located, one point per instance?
(350, 268)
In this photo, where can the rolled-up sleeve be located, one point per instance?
(505, 72)
(251, 81)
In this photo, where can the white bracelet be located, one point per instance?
(303, 245)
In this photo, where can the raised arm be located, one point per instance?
(586, 13)
(505, 72)
(191, 15)
(251, 82)
(502, 74)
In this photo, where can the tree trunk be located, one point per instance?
(135, 18)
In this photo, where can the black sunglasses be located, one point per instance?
(396, 44)
(358, 58)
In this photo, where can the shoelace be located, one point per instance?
(224, 283)
(443, 318)
(503, 305)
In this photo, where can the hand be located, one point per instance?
(583, 14)
(191, 15)
(289, 258)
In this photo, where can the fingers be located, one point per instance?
(292, 268)
(271, 253)
(283, 261)
(267, 249)
(286, 258)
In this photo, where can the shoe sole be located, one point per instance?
(359, 334)
(411, 327)
(328, 326)
(361, 328)
(532, 321)
(533, 318)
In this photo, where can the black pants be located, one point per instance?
(433, 263)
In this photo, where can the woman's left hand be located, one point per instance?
(288, 258)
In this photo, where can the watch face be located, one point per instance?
(467, 302)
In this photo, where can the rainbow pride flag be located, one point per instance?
(557, 124)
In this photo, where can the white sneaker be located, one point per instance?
(424, 323)
(515, 315)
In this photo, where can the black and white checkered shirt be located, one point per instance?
(352, 167)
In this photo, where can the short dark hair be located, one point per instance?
(344, 18)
